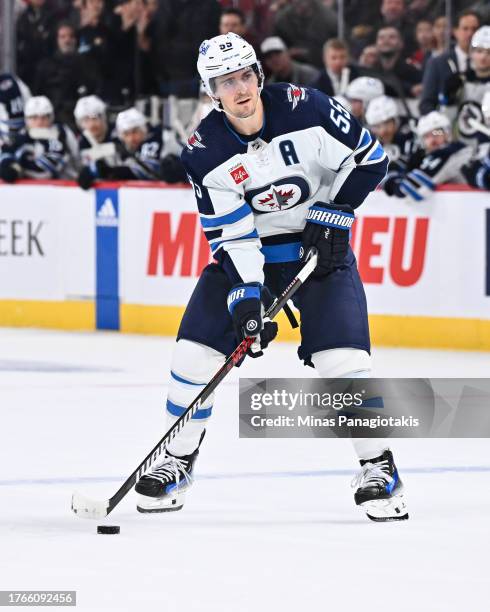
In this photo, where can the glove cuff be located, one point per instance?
(238, 293)
(335, 216)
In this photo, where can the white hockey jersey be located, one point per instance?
(253, 193)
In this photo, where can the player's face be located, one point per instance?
(39, 121)
(385, 131)
(238, 92)
(336, 60)
(435, 140)
(134, 138)
(96, 126)
(481, 59)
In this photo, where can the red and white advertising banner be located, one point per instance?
(426, 259)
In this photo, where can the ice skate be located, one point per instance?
(380, 490)
(163, 488)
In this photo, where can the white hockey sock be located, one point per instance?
(193, 366)
(350, 363)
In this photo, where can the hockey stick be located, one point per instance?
(87, 508)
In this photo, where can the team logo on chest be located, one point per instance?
(280, 195)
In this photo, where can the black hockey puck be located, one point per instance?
(108, 529)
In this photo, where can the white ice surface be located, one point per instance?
(270, 525)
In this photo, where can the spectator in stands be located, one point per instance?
(62, 77)
(394, 15)
(43, 150)
(369, 57)
(233, 20)
(439, 31)
(304, 25)
(34, 38)
(425, 44)
(96, 47)
(439, 162)
(281, 67)
(337, 72)
(360, 92)
(401, 79)
(442, 73)
(179, 30)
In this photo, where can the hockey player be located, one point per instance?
(13, 96)
(394, 133)
(274, 171)
(140, 152)
(96, 142)
(477, 171)
(360, 92)
(43, 150)
(439, 161)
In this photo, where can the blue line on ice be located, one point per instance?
(237, 475)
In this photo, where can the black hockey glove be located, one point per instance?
(86, 178)
(327, 228)
(246, 303)
(172, 169)
(477, 173)
(9, 171)
(452, 86)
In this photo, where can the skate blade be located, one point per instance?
(163, 504)
(384, 510)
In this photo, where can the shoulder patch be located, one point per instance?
(295, 95)
(238, 173)
(195, 141)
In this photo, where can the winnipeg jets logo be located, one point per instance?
(280, 195)
(203, 49)
(295, 94)
(195, 141)
(278, 198)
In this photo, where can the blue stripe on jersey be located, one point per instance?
(177, 411)
(232, 217)
(407, 189)
(280, 253)
(47, 165)
(423, 178)
(184, 380)
(377, 153)
(365, 140)
(216, 245)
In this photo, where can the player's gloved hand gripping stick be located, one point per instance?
(88, 508)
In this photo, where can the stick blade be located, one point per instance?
(84, 507)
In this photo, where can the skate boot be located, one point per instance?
(379, 489)
(163, 488)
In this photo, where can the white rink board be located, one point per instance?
(163, 222)
(162, 249)
(58, 261)
(450, 280)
